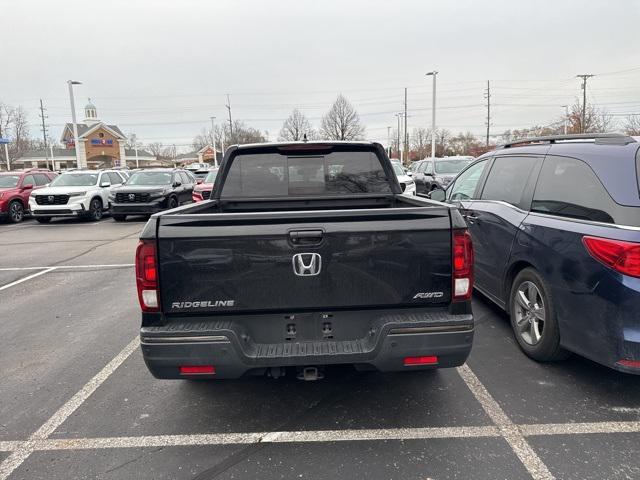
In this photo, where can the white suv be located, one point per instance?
(77, 193)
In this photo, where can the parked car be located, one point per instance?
(202, 191)
(438, 173)
(76, 193)
(15, 188)
(150, 191)
(200, 174)
(556, 229)
(327, 264)
(407, 184)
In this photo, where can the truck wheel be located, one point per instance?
(95, 210)
(43, 219)
(533, 318)
(119, 218)
(172, 203)
(16, 212)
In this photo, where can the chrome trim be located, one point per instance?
(432, 329)
(179, 340)
(588, 222)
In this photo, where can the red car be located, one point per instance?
(202, 191)
(15, 188)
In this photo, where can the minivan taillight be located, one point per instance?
(623, 257)
(147, 276)
(462, 259)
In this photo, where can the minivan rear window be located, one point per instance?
(280, 174)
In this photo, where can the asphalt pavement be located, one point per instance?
(76, 400)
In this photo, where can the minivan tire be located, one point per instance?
(529, 283)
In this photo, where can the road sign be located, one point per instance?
(4, 140)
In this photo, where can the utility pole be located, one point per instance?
(584, 78)
(488, 97)
(406, 133)
(398, 115)
(433, 115)
(389, 141)
(213, 137)
(230, 122)
(566, 117)
(44, 133)
(76, 144)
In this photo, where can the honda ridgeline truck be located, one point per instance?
(306, 255)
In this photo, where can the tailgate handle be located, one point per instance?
(306, 237)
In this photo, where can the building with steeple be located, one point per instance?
(99, 145)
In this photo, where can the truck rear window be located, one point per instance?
(282, 175)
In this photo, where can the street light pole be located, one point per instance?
(213, 137)
(433, 115)
(566, 117)
(389, 141)
(71, 83)
(6, 155)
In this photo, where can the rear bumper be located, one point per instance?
(390, 340)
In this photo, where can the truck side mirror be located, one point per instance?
(438, 195)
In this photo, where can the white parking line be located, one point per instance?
(317, 436)
(106, 265)
(27, 448)
(29, 277)
(513, 436)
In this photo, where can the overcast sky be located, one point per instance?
(162, 68)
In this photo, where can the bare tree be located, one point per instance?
(242, 133)
(632, 125)
(597, 120)
(296, 127)
(342, 122)
(420, 142)
(132, 141)
(156, 148)
(464, 143)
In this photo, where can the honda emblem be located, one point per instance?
(307, 264)
(132, 196)
(51, 198)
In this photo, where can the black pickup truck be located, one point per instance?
(307, 255)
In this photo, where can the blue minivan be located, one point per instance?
(555, 223)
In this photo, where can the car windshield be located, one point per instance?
(398, 169)
(75, 180)
(150, 178)
(9, 181)
(451, 167)
(211, 176)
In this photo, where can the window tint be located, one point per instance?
(335, 173)
(28, 180)
(508, 178)
(115, 178)
(41, 179)
(185, 178)
(104, 178)
(567, 187)
(465, 185)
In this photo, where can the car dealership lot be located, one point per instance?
(76, 400)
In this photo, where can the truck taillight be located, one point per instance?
(147, 275)
(623, 257)
(462, 259)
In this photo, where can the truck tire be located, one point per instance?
(16, 211)
(533, 318)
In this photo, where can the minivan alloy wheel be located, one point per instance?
(529, 313)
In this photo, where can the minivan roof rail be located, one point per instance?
(599, 138)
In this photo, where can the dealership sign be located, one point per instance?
(102, 141)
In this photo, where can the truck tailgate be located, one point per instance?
(289, 261)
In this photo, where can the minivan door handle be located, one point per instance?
(306, 237)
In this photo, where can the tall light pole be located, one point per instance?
(213, 136)
(71, 83)
(399, 115)
(434, 74)
(566, 117)
(389, 141)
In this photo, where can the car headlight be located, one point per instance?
(77, 194)
(410, 182)
(32, 194)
